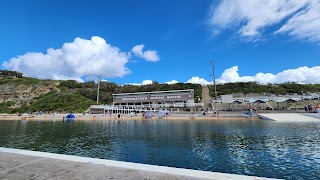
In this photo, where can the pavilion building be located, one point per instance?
(174, 100)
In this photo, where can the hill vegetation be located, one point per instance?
(19, 94)
(253, 87)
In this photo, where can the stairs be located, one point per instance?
(269, 105)
(206, 98)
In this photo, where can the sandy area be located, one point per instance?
(182, 116)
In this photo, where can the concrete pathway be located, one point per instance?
(315, 115)
(288, 117)
(22, 164)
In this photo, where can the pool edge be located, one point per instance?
(129, 165)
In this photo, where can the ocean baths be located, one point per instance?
(250, 147)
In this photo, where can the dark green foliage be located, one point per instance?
(60, 102)
(70, 84)
(88, 93)
(22, 81)
(25, 81)
(77, 97)
(5, 107)
(297, 88)
(252, 87)
(10, 73)
(6, 80)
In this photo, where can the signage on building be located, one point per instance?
(153, 98)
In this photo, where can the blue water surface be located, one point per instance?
(259, 148)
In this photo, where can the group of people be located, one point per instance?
(309, 108)
(249, 113)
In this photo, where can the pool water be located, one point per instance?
(259, 148)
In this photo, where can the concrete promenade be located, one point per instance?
(22, 164)
(291, 117)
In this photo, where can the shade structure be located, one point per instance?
(70, 116)
(285, 103)
(235, 105)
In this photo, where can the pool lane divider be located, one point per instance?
(128, 165)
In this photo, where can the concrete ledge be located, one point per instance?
(264, 117)
(288, 117)
(149, 171)
(315, 115)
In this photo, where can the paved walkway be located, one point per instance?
(22, 164)
(289, 117)
(315, 115)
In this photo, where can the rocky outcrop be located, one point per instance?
(24, 93)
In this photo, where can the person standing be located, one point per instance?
(310, 108)
(251, 113)
(317, 108)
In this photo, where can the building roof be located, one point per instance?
(153, 92)
(235, 101)
(256, 101)
(287, 100)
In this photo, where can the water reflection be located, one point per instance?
(248, 147)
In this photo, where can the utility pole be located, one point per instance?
(98, 89)
(214, 80)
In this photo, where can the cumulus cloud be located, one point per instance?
(172, 82)
(149, 55)
(198, 80)
(73, 60)
(144, 82)
(300, 19)
(301, 75)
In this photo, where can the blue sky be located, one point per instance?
(142, 41)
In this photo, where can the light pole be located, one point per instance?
(214, 80)
(98, 89)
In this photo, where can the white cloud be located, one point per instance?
(144, 82)
(172, 82)
(137, 50)
(305, 24)
(74, 60)
(300, 18)
(149, 55)
(301, 75)
(198, 80)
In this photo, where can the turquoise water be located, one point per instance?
(259, 148)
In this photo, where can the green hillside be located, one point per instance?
(20, 94)
(58, 101)
(252, 87)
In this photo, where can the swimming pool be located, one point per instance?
(260, 148)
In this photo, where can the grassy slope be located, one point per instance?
(60, 102)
